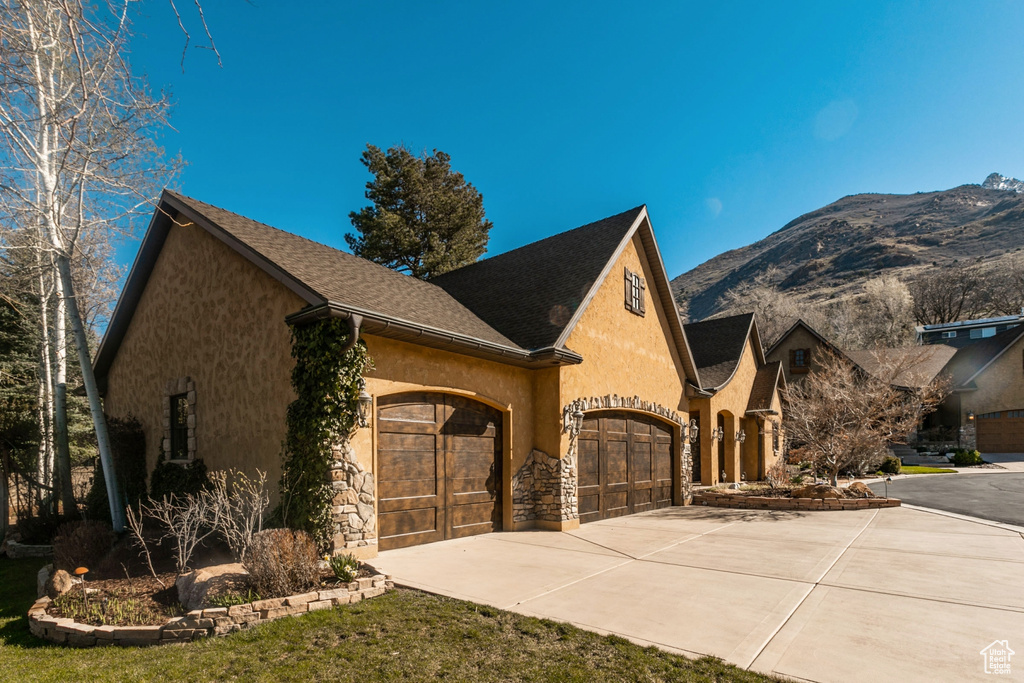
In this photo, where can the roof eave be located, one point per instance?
(404, 330)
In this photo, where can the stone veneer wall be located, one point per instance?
(969, 434)
(216, 621)
(544, 488)
(355, 522)
(174, 387)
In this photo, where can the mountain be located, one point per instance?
(831, 252)
(994, 181)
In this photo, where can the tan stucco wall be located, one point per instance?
(209, 314)
(731, 400)
(1000, 386)
(799, 338)
(624, 353)
(401, 367)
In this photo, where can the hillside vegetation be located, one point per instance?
(832, 252)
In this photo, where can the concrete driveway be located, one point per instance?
(869, 595)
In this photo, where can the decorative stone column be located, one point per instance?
(544, 488)
(969, 434)
(686, 463)
(352, 511)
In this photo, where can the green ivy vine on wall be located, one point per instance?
(327, 384)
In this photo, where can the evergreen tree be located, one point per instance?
(425, 219)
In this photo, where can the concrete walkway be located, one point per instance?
(882, 595)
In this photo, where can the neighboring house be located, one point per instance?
(966, 332)
(986, 407)
(482, 378)
(739, 410)
(798, 350)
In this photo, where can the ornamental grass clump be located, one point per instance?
(282, 562)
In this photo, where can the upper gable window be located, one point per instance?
(799, 360)
(635, 287)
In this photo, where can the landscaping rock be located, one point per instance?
(860, 490)
(195, 587)
(818, 491)
(41, 578)
(59, 584)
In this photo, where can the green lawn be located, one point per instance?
(402, 635)
(918, 469)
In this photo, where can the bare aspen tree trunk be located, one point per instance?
(60, 403)
(46, 412)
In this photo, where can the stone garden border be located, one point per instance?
(727, 500)
(214, 621)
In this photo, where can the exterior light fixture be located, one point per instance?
(741, 435)
(717, 434)
(970, 416)
(887, 480)
(365, 408)
(693, 431)
(577, 422)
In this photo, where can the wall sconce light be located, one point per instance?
(577, 422)
(365, 408)
(741, 435)
(692, 432)
(970, 416)
(717, 434)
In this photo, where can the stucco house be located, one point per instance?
(739, 408)
(543, 387)
(985, 408)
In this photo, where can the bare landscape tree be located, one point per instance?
(842, 419)
(886, 313)
(955, 292)
(78, 162)
(774, 309)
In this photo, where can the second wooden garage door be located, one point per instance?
(439, 468)
(625, 465)
(1001, 432)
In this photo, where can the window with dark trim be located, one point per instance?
(635, 288)
(799, 360)
(179, 427)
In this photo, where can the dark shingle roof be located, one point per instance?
(765, 383)
(717, 347)
(342, 278)
(970, 359)
(530, 294)
(910, 366)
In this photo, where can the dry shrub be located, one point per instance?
(777, 475)
(282, 562)
(81, 544)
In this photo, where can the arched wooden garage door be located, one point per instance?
(1001, 432)
(438, 468)
(625, 465)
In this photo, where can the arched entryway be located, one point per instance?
(625, 464)
(438, 468)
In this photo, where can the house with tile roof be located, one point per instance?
(544, 387)
(739, 408)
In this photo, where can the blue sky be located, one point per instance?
(727, 119)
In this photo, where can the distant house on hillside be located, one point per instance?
(965, 332)
(985, 409)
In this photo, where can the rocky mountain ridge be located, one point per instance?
(832, 251)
